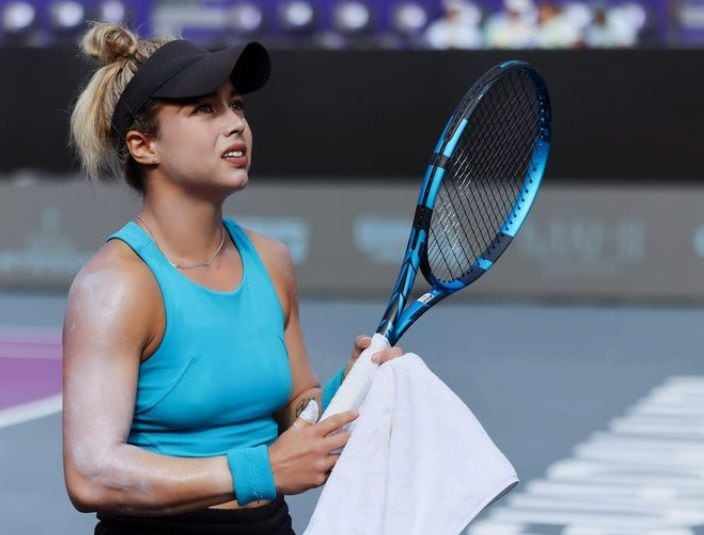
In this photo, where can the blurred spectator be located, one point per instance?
(458, 28)
(579, 15)
(513, 28)
(554, 29)
(389, 24)
(617, 27)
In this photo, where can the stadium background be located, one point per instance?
(580, 352)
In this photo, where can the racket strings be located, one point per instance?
(443, 251)
(463, 158)
(483, 201)
(508, 102)
(450, 227)
(497, 169)
(446, 240)
(472, 234)
(506, 189)
(502, 191)
(484, 176)
(456, 197)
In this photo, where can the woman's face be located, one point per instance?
(205, 143)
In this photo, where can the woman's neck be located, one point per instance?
(188, 229)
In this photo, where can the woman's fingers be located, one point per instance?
(361, 343)
(330, 462)
(338, 440)
(387, 354)
(335, 422)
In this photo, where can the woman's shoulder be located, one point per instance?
(113, 303)
(116, 259)
(115, 269)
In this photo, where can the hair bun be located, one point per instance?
(108, 42)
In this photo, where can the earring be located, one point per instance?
(153, 160)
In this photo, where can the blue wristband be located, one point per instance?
(331, 387)
(251, 472)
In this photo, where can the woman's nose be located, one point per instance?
(234, 123)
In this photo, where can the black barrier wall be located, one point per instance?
(620, 116)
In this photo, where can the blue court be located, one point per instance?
(598, 408)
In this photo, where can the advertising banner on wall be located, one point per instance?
(632, 243)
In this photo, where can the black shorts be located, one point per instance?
(269, 519)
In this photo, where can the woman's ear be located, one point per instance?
(141, 147)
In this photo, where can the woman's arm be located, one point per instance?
(110, 312)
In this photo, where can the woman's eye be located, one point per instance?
(237, 105)
(204, 108)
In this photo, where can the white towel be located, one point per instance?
(418, 461)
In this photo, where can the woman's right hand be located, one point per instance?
(300, 458)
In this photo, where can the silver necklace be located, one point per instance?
(174, 264)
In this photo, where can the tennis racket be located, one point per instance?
(477, 190)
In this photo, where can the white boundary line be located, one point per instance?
(645, 474)
(30, 357)
(33, 410)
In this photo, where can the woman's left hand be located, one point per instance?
(361, 343)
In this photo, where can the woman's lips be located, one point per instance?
(236, 161)
(236, 156)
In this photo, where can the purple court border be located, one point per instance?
(30, 366)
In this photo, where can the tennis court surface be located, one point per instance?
(599, 409)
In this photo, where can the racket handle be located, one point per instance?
(354, 388)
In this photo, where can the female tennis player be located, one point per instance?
(185, 371)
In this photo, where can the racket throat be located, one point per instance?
(426, 298)
(414, 311)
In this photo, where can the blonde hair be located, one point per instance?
(121, 53)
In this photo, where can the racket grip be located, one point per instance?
(356, 384)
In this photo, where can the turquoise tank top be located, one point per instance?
(221, 369)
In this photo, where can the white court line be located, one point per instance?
(644, 475)
(33, 410)
(50, 355)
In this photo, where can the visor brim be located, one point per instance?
(247, 68)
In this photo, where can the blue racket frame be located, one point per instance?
(398, 317)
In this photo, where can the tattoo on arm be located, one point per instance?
(302, 405)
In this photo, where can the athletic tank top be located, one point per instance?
(221, 369)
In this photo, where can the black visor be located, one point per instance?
(181, 69)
